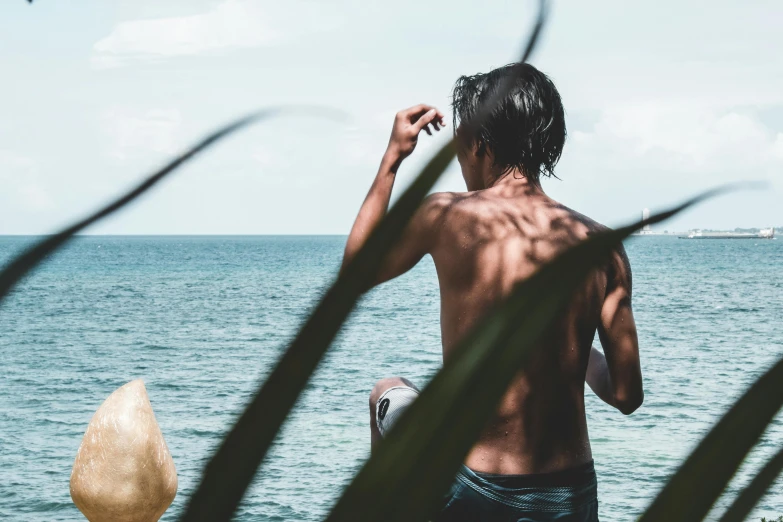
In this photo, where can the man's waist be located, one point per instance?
(568, 490)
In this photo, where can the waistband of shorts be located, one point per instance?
(561, 491)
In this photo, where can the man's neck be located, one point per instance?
(513, 182)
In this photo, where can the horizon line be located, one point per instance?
(291, 234)
(181, 235)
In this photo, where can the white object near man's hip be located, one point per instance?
(391, 404)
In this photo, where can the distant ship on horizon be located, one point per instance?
(765, 233)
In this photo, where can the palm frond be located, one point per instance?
(755, 491)
(232, 468)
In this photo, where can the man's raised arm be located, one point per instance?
(414, 243)
(616, 375)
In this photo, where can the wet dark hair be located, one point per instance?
(525, 130)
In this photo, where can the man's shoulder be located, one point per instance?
(443, 200)
(619, 259)
(438, 204)
(619, 266)
(443, 213)
(589, 223)
(440, 200)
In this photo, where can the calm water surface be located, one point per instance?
(203, 319)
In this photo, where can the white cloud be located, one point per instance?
(231, 24)
(779, 146)
(358, 147)
(19, 176)
(682, 138)
(133, 132)
(656, 153)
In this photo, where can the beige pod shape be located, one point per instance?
(123, 470)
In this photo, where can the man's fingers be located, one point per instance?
(428, 131)
(441, 119)
(425, 120)
(417, 110)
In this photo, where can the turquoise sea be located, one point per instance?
(203, 319)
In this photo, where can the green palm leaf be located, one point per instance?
(413, 467)
(747, 500)
(691, 492)
(18, 267)
(232, 468)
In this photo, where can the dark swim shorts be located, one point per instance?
(563, 496)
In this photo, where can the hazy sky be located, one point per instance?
(663, 99)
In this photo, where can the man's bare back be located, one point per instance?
(486, 240)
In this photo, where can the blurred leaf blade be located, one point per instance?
(691, 492)
(755, 491)
(235, 463)
(26, 261)
(413, 467)
(232, 468)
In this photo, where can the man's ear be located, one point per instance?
(479, 148)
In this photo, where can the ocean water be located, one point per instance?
(203, 319)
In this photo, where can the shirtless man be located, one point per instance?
(533, 460)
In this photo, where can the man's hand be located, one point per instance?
(407, 126)
(405, 134)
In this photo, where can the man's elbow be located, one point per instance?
(628, 404)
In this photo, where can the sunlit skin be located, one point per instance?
(483, 241)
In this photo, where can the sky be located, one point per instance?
(663, 99)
